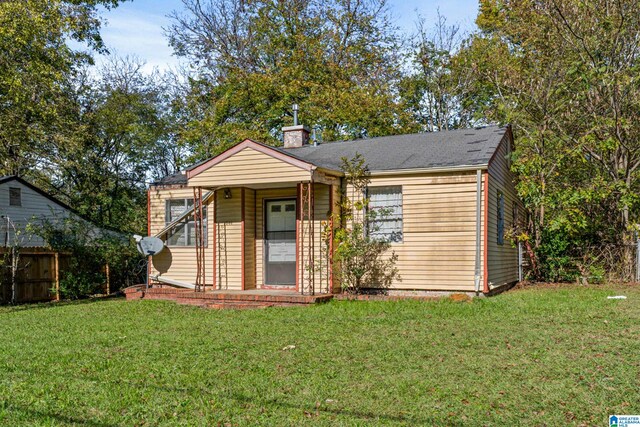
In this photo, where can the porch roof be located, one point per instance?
(254, 165)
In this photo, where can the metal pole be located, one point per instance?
(478, 230)
(520, 275)
(638, 259)
(147, 268)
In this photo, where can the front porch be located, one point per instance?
(260, 220)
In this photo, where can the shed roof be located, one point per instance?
(431, 150)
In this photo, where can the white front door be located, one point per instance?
(280, 242)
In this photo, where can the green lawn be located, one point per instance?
(565, 356)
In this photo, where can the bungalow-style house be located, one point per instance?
(450, 195)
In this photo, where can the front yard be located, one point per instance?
(539, 356)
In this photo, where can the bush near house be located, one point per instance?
(90, 252)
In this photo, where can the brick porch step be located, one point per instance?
(244, 305)
(226, 299)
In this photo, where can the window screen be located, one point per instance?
(15, 196)
(184, 234)
(385, 205)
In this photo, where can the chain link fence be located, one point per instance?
(596, 264)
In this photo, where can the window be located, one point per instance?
(385, 203)
(15, 196)
(184, 234)
(500, 218)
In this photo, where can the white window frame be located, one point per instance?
(186, 226)
(396, 231)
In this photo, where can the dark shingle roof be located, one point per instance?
(431, 150)
(178, 178)
(457, 148)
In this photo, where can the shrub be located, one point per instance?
(90, 249)
(363, 261)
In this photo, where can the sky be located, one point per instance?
(135, 28)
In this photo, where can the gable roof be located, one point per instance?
(431, 150)
(43, 193)
(9, 178)
(248, 143)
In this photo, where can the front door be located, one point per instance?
(280, 242)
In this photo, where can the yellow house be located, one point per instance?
(267, 213)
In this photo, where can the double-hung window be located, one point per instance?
(184, 233)
(385, 208)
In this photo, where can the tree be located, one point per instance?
(119, 131)
(336, 59)
(565, 74)
(35, 64)
(436, 88)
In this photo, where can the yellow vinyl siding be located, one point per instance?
(320, 264)
(229, 240)
(177, 262)
(439, 230)
(249, 167)
(249, 238)
(503, 259)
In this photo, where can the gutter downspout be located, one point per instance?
(477, 274)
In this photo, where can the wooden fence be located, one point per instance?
(37, 274)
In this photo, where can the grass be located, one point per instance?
(538, 356)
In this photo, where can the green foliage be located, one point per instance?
(436, 88)
(35, 65)
(337, 59)
(363, 262)
(90, 137)
(555, 256)
(119, 129)
(91, 249)
(557, 71)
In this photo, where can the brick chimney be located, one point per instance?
(297, 135)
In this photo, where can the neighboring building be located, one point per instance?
(24, 207)
(22, 203)
(451, 198)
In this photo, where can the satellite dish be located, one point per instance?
(149, 246)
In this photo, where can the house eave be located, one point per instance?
(413, 171)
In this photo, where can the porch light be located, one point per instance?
(227, 193)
